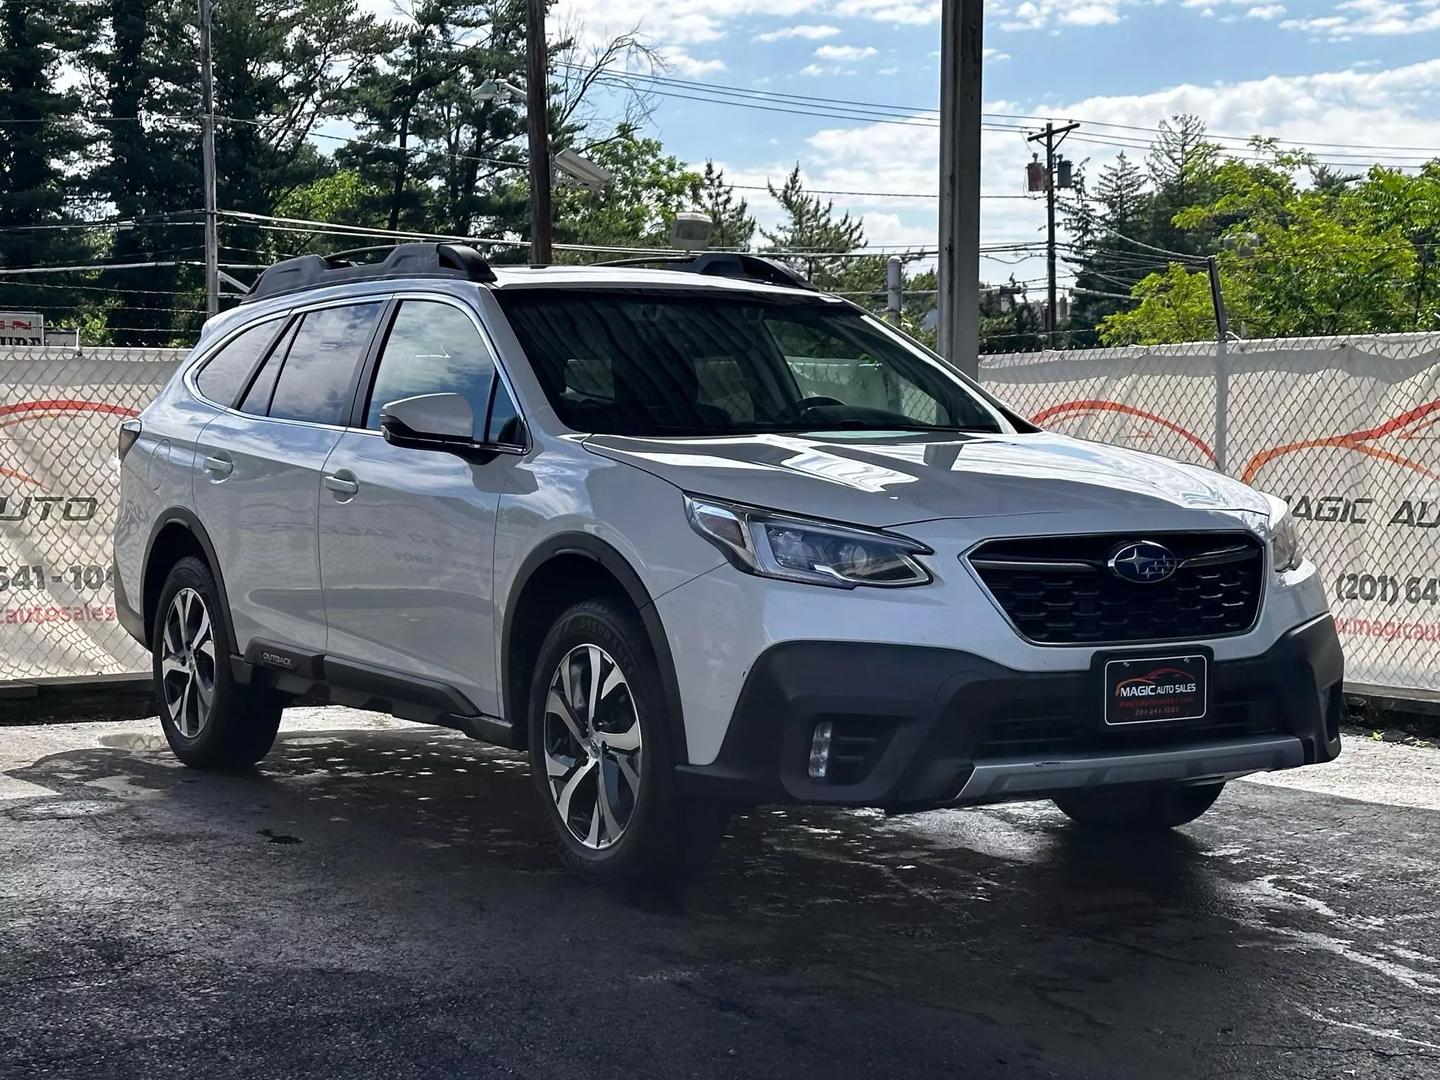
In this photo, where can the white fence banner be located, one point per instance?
(59, 487)
(1344, 429)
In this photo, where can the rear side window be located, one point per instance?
(432, 348)
(224, 374)
(315, 383)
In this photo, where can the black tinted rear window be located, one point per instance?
(705, 363)
(315, 383)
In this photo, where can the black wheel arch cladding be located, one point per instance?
(607, 559)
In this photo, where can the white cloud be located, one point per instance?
(1091, 15)
(1040, 14)
(1266, 12)
(813, 71)
(685, 64)
(674, 22)
(844, 52)
(906, 12)
(808, 31)
(1377, 18)
(995, 55)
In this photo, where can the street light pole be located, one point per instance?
(537, 84)
(207, 150)
(958, 307)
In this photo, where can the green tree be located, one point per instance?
(1300, 260)
(1104, 228)
(649, 189)
(145, 73)
(40, 144)
(732, 226)
(814, 240)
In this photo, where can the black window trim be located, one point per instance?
(365, 384)
(292, 319)
(192, 376)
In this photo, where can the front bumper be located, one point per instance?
(920, 727)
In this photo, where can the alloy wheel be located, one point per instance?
(592, 746)
(187, 663)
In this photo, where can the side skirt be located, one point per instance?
(338, 681)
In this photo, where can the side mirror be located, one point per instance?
(429, 422)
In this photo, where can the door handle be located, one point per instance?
(218, 466)
(342, 483)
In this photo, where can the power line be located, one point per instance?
(869, 194)
(910, 112)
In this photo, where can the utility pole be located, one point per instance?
(1052, 322)
(207, 144)
(537, 84)
(958, 303)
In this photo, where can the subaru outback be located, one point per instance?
(697, 538)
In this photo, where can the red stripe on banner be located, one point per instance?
(49, 408)
(1100, 405)
(1356, 440)
(13, 474)
(66, 405)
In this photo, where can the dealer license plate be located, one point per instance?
(1154, 689)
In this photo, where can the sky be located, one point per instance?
(1355, 74)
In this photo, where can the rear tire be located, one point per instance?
(1151, 809)
(602, 757)
(210, 720)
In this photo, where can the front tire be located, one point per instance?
(602, 757)
(1150, 809)
(210, 720)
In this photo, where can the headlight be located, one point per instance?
(798, 549)
(1284, 540)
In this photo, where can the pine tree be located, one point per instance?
(811, 228)
(1182, 164)
(731, 223)
(41, 139)
(145, 69)
(1104, 228)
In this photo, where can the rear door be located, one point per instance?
(407, 536)
(258, 468)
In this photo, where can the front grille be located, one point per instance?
(1059, 590)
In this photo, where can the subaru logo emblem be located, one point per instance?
(1145, 562)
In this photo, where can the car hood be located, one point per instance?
(880, 478)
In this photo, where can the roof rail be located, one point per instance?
(455, 261)
(728, 264)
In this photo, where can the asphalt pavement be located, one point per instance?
(382, 900)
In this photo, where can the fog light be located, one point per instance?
(820, 750)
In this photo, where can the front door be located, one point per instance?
(407, 536)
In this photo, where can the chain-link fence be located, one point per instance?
(1342, 428)
(59, 489)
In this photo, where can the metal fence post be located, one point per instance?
(1222, 367)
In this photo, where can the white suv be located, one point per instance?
(699, 539)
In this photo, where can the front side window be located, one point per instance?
(702, 363)
(432, 348)
(316, 380)
(223, 375)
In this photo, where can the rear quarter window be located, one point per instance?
(222, 377)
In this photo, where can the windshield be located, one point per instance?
(690, 363)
